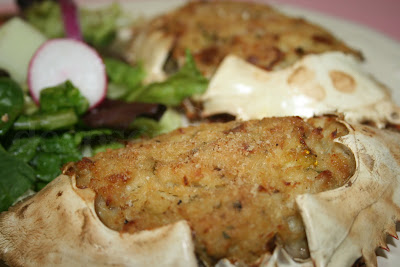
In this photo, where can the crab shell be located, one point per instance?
(327, 83)
(59, 225)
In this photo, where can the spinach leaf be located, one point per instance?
(61, 144)
(24, 148)
(16, 177)
(47, 152)
(63, 96)
(53, 151)
(186, 82)
(11, 103)
(47, 166)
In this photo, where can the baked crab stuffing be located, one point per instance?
(225, 180)
(211, 30)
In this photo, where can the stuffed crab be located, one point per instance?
(61, 224)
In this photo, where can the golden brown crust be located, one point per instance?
(256, 32)
(235, 183)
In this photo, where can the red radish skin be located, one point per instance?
(70, 16)
(58, 60)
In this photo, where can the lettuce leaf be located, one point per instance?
(99, 26)
(188, 81)
(170, 121)
(123, 78)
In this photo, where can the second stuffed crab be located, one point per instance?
(60, 225)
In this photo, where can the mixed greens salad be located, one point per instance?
(38, 138)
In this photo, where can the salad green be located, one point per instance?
(63, 96)
(186, 82)
(37, 140)
(60, 107)
(122, 78)
(42, 121)
(16, 178)
(99, 26)
(15, 50)
(11, 103)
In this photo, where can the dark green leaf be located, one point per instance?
(61, 144)
(54, 151)
(40, 185)
(81, 135)
(11, 103)
(61, 97)
(16, 177)
(47, 166)
(24, 148)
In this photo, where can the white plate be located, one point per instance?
(382, 59)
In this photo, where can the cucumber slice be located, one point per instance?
(18, 42)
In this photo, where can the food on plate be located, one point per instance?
(269, 191)
(15, 53)
(261, 63)
(220, 185)
(77, 98)
(213, 29)
(328, 83)
(224, 179)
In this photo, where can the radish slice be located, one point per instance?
(59, 60)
